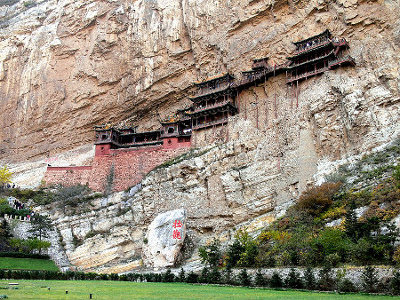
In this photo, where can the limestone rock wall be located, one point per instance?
(67, 65)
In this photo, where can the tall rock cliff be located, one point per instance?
(67, 65)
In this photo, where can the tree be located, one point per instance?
(5, 176)
(211, 254)
(369, 279)
(40, 227)
(181, 277)
(309, 279)
(259, 279)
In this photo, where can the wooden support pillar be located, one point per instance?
(257, 114)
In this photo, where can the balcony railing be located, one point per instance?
(139, 144)
(310, 61)
(207, 107)
(312, 47)
(211, 123)
(209, 91)
(305, 75)
(341, 60)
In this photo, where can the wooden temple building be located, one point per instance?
(213, 103)
(316, 55)
(126, 155)
(215, 99)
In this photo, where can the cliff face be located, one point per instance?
(67, 65)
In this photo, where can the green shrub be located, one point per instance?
(395, 283)
(205, 276)
(215, 276)
(309, 279)
(293, 280)
(192, 278)
(326, 281)
(317, 199)
(168, 276)
(346, 286)
(234, 253)
(369, 279)
(181, 277)
(211, 254)
(276, 280)
(244, 278)
(259, 279)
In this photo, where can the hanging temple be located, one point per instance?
(212, 105)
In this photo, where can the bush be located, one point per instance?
(259, 279)
(24, 255)
(396, 256)
(317, 199)
(227, 277)
(346, 286)
(326, 281)
(369, 279)
(205, 276)
(211, 253)
(293, 280)
(168, 276)
(276, 280)
(192, 278)
(181, 277)
(244, 278)
(309, 279)
(215, 276)
(395, 283)
(233, 255)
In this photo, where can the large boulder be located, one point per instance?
(165, 237)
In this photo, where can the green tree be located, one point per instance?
(259, 279)
(41, 225)
(5, 176)
(211, 254)
(369, 279)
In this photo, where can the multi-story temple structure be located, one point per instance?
(126, 155)
(316, 55)
(214, 102)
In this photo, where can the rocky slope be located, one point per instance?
(97, 61)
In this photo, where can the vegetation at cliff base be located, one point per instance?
(346, 220)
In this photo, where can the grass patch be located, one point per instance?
(30, 289)
(13, 263)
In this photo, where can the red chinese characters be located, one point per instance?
(176, 234)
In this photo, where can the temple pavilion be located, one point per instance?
(213, 103)
(316, 55)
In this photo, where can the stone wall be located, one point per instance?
(68, 175)
(120, 169)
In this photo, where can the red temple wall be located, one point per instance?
(68, 175)
(118, 170)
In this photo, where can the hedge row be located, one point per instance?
(24, 255)
(325, 281)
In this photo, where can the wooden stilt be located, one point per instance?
(257, 114)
